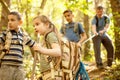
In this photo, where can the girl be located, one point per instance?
(45, 28)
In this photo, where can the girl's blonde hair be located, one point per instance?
(44, 19)
(52, 27)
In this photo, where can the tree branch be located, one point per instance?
(43, 4)
(5, 5)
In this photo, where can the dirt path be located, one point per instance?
(93, 72)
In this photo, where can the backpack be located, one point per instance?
(75, 29)
(6, 45)
(105, 19)
(70, 59)
(69, 62)
(82, 73)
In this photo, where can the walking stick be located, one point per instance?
(89, 39)
(35, 59)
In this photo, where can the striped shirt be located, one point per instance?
(15, 53)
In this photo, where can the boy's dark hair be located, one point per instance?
(67, 11)
(16, 14)
(99, 7)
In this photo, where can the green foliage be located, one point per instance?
(80, 5)
(54, 9)
(113, 73)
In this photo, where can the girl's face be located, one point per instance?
(39, 26)
(13, 22)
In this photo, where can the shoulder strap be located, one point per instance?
(105, 19)
(8, 40)
(76, 27)
(63, 29)
(7, 44)
(96, 20)
(76, 30)
(58, 59)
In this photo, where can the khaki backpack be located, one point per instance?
(69, 62)
(5, 46)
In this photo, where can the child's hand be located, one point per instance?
(37, 47)
(79, 44)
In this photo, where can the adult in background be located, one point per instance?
(100, 25)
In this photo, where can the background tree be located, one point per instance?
(87, 30)
(115, 6)
(5, 11)
(84, 10)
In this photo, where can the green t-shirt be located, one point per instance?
(44, 65)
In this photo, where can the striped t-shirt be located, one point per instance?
(15, 53)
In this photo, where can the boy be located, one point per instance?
(13, 40)
(69, 31)
(73, 31)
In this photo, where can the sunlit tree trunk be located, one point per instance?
(4, 13)
(43, 4)
(86, 25)
(26, 15)
(98, 2)
(115, 5)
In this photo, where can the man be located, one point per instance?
(100, 25)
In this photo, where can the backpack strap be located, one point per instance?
(105, 19)
(76, 30)
(8, 40)
(6, 46)
(96, 20)
(63, 29)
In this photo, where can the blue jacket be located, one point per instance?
(82, 72)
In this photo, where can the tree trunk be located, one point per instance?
(4, 13)
(43, 4)
(87, 44)
(87, 29)
(115, 5)
(97, 2)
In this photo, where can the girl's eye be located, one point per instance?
(11, 20)
(37, 24)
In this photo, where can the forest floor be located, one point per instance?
(95, 73)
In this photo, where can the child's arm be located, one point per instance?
(55, 51)
(83, 37)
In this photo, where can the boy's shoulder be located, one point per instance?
(72, 24)
(4, 32)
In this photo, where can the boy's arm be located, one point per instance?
(83, 37)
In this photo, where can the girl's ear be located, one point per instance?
(47, 24)
(72, 15)
(20, 22)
